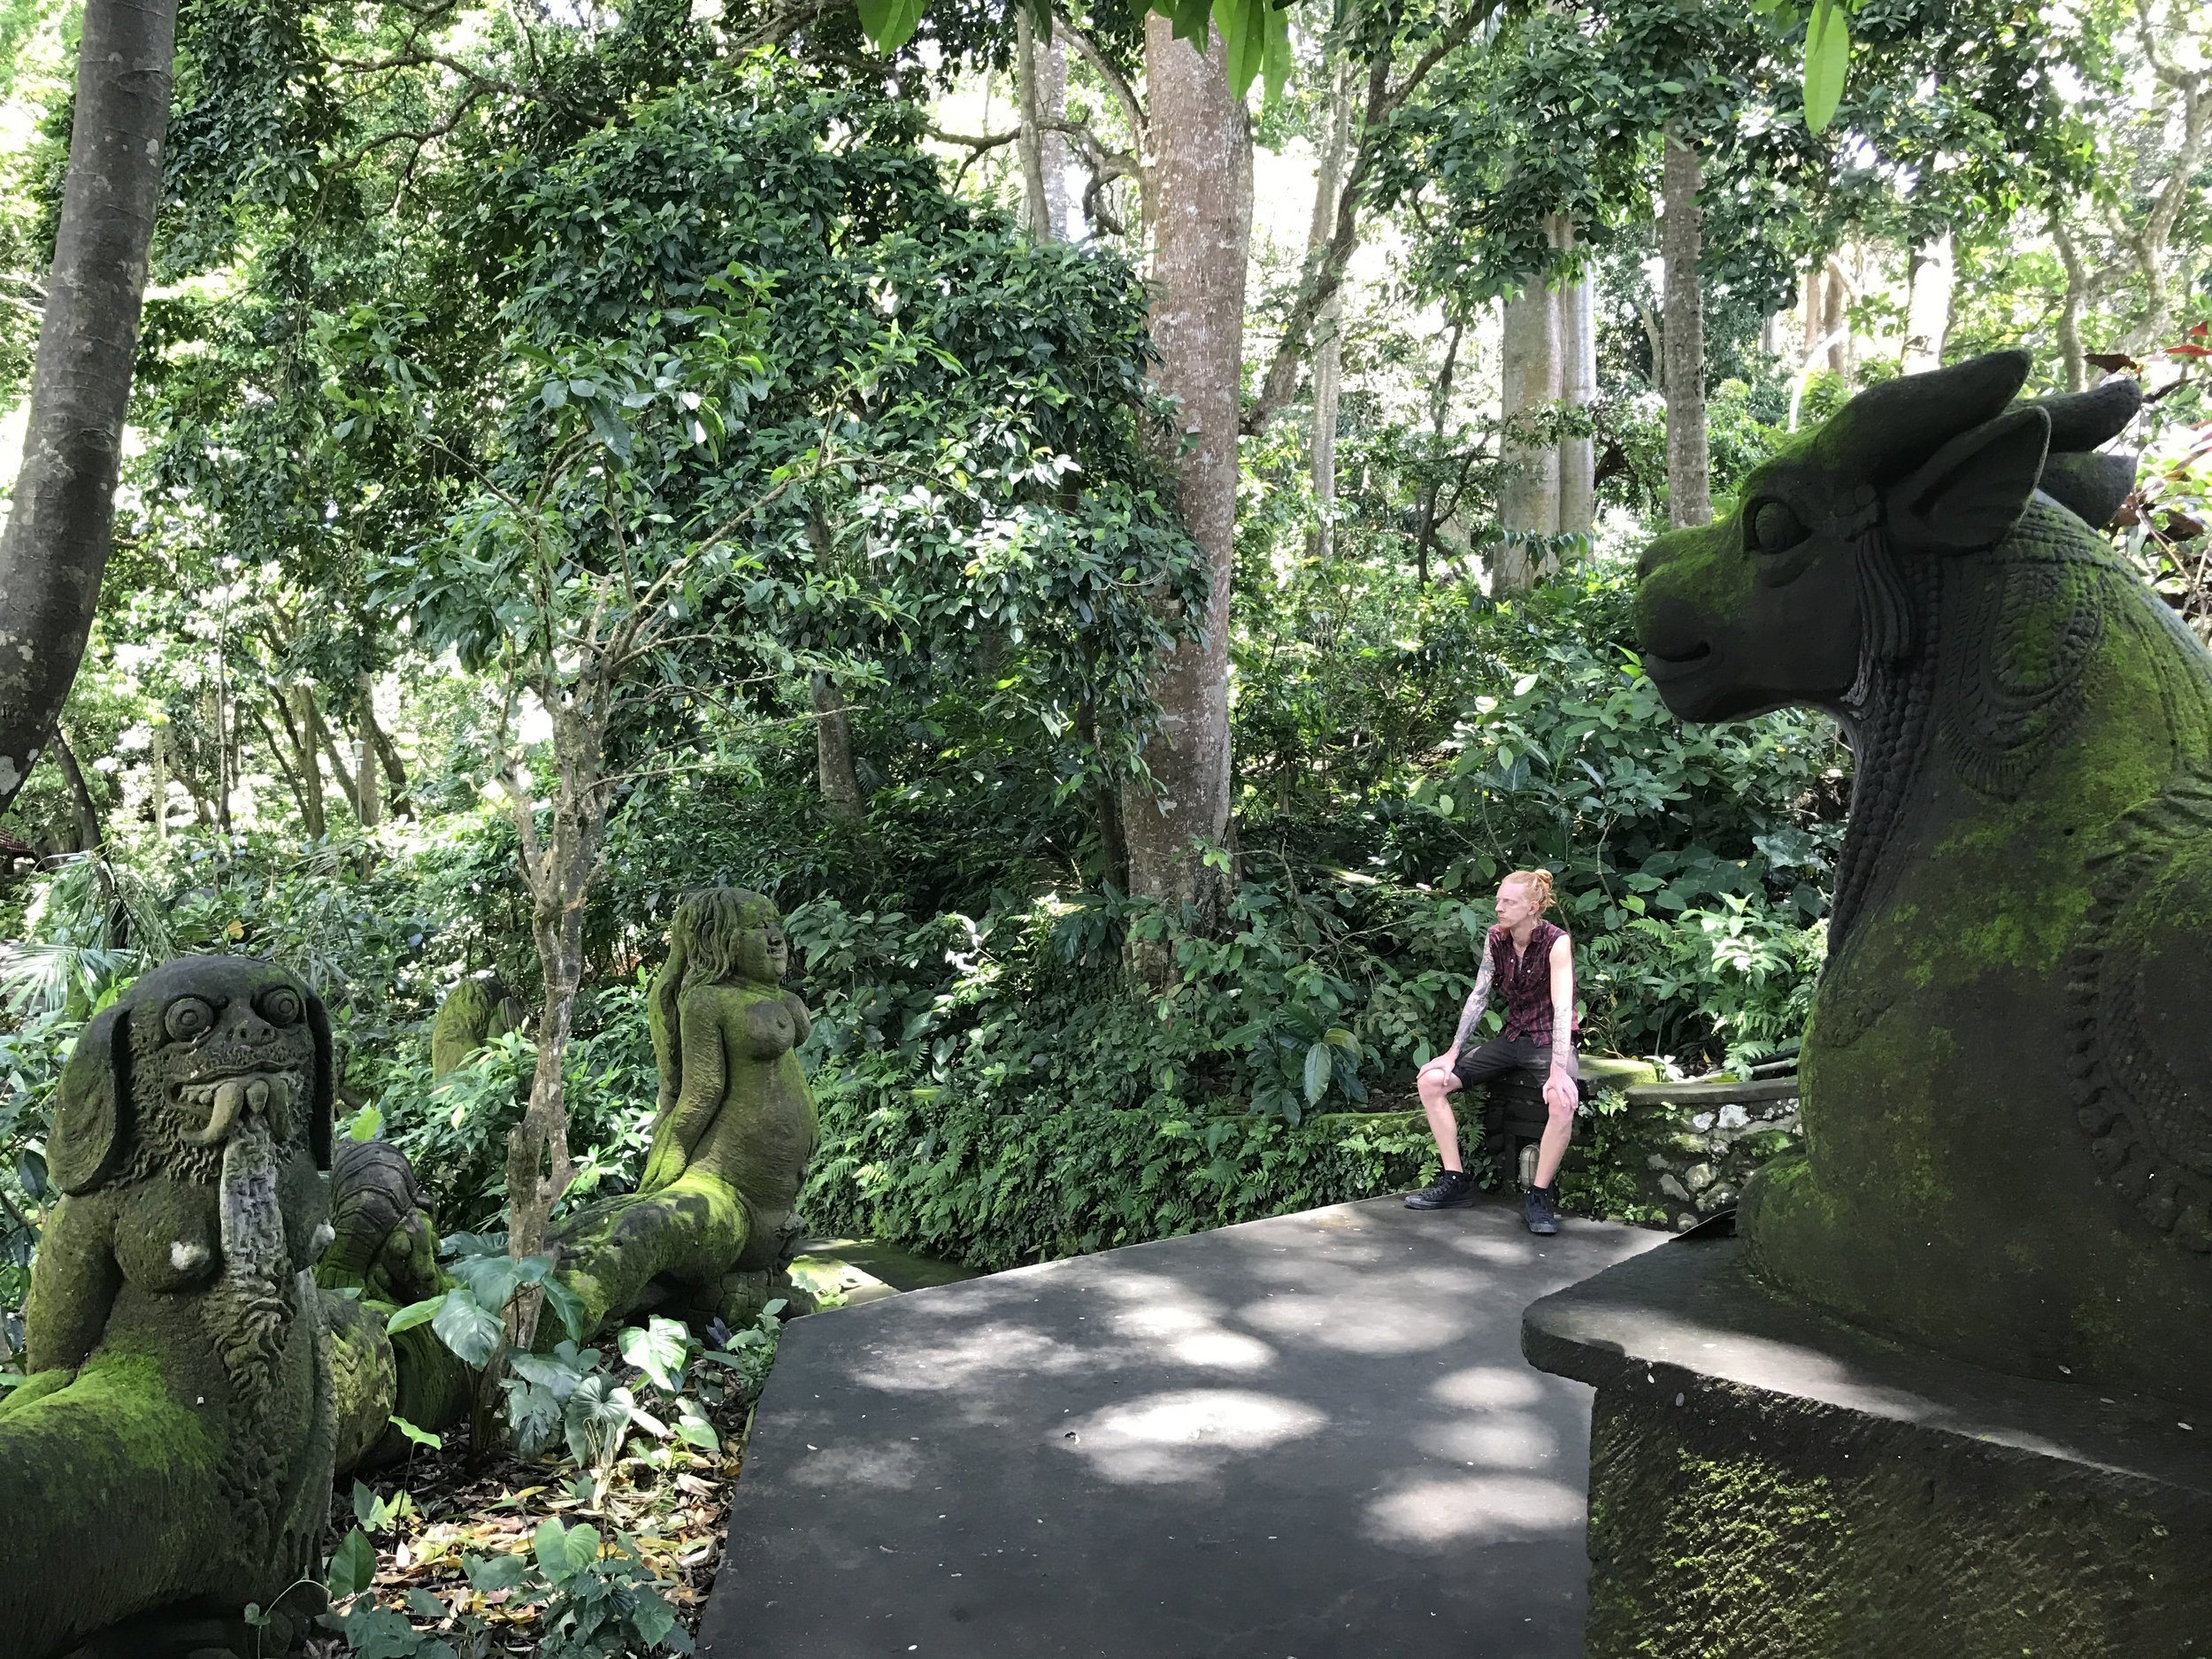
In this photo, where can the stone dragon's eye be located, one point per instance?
(1774, 528)
(281, 1006)
(189, 1016)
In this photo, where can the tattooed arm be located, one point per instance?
(1559, 1088)
(1477, 999)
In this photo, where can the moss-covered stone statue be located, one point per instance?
(2008, 1081)
(167, 1461)
(710, 1229)
(477, 1011)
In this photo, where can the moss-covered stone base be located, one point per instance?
(1765, 1484)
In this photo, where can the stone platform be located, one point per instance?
(1312, 1437)
(1767, 1483)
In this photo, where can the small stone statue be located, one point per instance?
(707, 1232)
(167, 1461)
(2007, 1117)
(478, 1011)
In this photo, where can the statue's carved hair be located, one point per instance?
(710, 928)
(1539, 884)
(705, 937)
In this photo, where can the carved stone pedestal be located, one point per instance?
(1767, 1483)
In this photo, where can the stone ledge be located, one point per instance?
(1691, 1306)
(1768, 1483)
(1728, 1093)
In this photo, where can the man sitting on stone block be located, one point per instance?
(1530, 962)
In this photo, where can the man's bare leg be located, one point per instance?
(1551, 1151)
(1436, 1087)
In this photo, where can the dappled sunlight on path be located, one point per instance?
(1307, 1438)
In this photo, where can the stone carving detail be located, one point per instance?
(710, 1230)
(2008, 1129)
(168, 1459)
(2136, 983)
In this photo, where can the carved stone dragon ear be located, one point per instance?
(91, 1129)
(1970, 492)
(323, 1089)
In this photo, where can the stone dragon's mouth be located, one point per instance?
(225, 1098)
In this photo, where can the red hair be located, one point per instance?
(1539, 881)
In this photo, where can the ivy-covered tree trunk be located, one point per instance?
(1200, 167)
(1689, 490)
(55, 548)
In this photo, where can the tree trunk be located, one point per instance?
(1328, 327)
(388, 756)
(305, 721)
(1432, 496)
(368, 800)
(1041, 71)
(89, 837)
(1928, 305)
(833, 750)
(1528, 497)
(2075, 364)
(1577, 390)
(55, 548)
(1811, 301)
(1689, 498)
(1201, 165)
(1835, 319)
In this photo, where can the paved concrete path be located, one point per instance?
(1308, 1437)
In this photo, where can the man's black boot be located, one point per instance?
(1448, 1191)
(1537, 1211)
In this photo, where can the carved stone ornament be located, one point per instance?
(2007, 1080)
(167, 1461)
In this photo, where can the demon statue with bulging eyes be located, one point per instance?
(167, 1461)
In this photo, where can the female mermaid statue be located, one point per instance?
(706, 1229)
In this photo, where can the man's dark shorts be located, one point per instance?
(1502, 1054)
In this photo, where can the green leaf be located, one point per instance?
(1188, 18)
(489, 1573)
(421, 1437)
(364, 1123)
(1827, 56)
(659, 1351)
(491, 1279)
(352, 1566)
(470, 1329)
(567, 1306)
(412, 1315)
(1243, 26)
(1320, 1065)
(700, 1433)
(890, 24)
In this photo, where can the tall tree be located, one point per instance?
(1200, 188)
(54, 548)
(1689, 495)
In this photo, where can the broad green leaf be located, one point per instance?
(1320, 1064)
(421, 1437)
(890, 24)
(364, 1125)
(487, 1573)
(567, 1306)
(352, 1566)
(412, 1315)
(491, 1279)
(470, 1329)
(659, 1351)
(700, 1433)
(1827, 57)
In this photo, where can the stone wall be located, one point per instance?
(1673, 1162)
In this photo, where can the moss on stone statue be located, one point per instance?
(2004, 1104)
(477, 1011)
(174, 1452)
(731, 1140)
